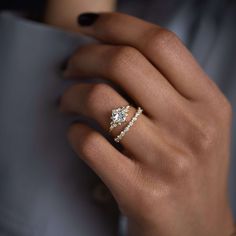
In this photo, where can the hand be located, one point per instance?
(171, 177)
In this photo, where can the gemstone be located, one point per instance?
(119, 115)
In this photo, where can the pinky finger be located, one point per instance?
(114, 168)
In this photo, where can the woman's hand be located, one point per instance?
(171, 178)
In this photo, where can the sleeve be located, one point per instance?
(44, 188)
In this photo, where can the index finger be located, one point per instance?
(162, 47)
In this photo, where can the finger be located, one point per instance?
(160, 46)
(96, 102)
(128, 68)
(110, 165)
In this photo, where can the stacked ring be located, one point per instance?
(119, 116)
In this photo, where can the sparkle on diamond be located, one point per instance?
(118, 116)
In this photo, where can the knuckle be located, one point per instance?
(181, 166)
(122, 57)
(206, 136)
(202, 131)
(160, 38)
(220, 103)
(223, 112)
(226, 109)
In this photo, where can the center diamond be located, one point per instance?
(119, 116)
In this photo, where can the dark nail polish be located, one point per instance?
(87, 19)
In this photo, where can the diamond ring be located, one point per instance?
(119, 116)
(130, 124)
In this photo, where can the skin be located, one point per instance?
(63, 13)
(170, 178)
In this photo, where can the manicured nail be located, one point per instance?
(87, 19)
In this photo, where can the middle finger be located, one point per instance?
(128, 68)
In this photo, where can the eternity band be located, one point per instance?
(130, 124)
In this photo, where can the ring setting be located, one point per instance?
(130, 124)
(119, 116)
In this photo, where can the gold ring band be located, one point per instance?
(119, 116)
(130, 124)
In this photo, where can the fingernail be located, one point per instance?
(87, 19)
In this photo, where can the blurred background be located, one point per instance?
(36, 5)
(35, 8)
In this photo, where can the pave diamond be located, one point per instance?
(119, 116)
(131, 123)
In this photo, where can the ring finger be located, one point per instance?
(128, 68)
(96, 101)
